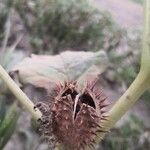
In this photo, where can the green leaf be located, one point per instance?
(2, 109)
(8, 125)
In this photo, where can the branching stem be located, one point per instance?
(139, 85)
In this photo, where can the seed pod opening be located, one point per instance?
(73, 117)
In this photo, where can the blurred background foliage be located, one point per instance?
(132, 135)
(58, 25)
(53, 26)
(138, 1)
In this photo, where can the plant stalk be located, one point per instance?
(139, 85)
(145, 58)
(19, 94)
(125, 102)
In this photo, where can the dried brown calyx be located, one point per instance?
(74, 116)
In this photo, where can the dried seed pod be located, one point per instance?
(73, 117)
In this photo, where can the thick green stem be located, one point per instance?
(145, 59)
(21, 97)
(126, 101)
(139, 85)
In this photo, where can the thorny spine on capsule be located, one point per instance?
(72, 117)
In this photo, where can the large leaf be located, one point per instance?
(41, 70)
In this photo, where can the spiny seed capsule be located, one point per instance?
(74, 115)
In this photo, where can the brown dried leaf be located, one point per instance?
(43, 70)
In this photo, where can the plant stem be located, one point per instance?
(145, 58)
(20, 95)
(139, 85)
(125, 102)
